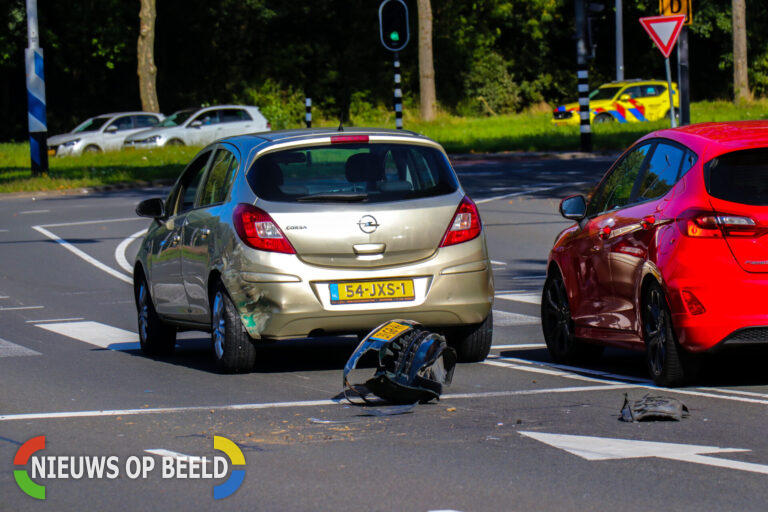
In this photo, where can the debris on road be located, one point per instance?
(653, 408)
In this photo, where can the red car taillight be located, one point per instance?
(256, 229)
(708, 224)
(465, 225)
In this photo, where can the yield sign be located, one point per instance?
(664, 30)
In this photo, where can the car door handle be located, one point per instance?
(648, 221)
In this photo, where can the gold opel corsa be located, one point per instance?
(305, 233)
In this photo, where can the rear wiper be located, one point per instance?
(334, 197)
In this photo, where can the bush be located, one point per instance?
(282, 106)
(491, 89)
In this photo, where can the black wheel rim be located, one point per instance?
(557, 316)
(218, 325)
(656, 332)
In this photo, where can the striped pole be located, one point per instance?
(398, 95)
(38, 129)
(583, 78)
(308, 112)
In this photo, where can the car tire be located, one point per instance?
(668, 363)
(174, 142)
(233, 348)
(156, 338)
(604, 118)
(91, 148)
(472, 343)
(557, 325)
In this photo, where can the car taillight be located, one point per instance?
(256, 229)
(702, 224)
(343, 139)
(465, 225)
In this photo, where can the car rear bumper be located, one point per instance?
(280, 306)
(735, 314)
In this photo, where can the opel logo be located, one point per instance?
(368, 224)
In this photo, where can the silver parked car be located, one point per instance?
(102, 133)
(199, 127)
(304, 233)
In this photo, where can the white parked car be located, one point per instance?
(102, 133)
(201, 127)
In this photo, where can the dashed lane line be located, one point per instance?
(8, 349)
(528, 298)
(19, 308)
(95, 333)
(507, 319)
(53, 320)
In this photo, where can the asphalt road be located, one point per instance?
(70, 370)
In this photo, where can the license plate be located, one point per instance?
(354, 292)
(389, 331)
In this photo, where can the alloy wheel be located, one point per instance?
(218, 325)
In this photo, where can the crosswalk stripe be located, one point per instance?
(8, 349)
(507, 319)
(528, 298)
(96, 333)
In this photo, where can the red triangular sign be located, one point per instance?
(664, 30)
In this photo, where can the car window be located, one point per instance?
(208, 118)
(177, 118)
(232, 115)
(373, 173)
(144, 121)
(182, 198)
(91, 125)
(616, 190)
(634, 92)
(604, 93)
(662, 171)
(122, 123)
(219, 178)
(739, 177)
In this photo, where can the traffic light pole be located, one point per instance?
(583, 79)
(38, 129)
(398, 94)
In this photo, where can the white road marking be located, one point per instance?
(3, 230)
(507, 319)
(520, 278)
(8, 349)
(497, 262)
(93, 261)
(162, 452)
(603, 448)
(528, 191)
(86, 222)
(528, 298)
(120, 251)
(521, 346)
(570, 371)
(283, 405)
(53, 320)
(543, 371)
(32, 212)
(4, 297)
(95, 333)
(17, 308)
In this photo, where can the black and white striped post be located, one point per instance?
(398, 94)
(583, 78)
(38, 128)
(308, 112)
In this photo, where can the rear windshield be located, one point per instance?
(739, 177)
(339, 173)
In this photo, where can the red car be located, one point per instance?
(669, 254)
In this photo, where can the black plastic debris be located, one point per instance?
(413, 364)
(653, 408)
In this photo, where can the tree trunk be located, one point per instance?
(426, 64)
(741, 91)
(147, 70)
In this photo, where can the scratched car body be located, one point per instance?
(670, 254)
(306, 233)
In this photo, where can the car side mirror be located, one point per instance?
(111, 128)
(573, 207)
(153, 208)
(195, 124)
(625, 97)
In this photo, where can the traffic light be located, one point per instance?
(393, 25)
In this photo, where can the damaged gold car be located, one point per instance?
(306, 233)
